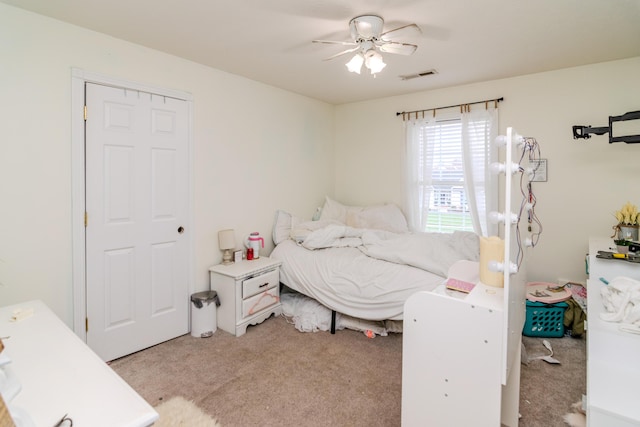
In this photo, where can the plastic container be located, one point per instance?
(544, 320)
(203, 313)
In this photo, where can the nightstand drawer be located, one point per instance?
(260, 283)
(259, 302)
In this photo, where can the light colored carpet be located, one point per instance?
(276, 376)
(179, 411)
(547, 391)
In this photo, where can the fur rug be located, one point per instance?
(576, 418)
(178, 411)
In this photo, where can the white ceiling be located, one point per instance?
(270, 40)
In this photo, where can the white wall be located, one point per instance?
(587, 179)
(257, 148)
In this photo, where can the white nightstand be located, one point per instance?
(249, 293)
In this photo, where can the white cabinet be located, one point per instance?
(249, 293)
(613, 356)
(454, 369)
(461, 356)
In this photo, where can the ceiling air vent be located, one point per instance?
(420, 74)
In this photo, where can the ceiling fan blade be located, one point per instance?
(344, 52)
(405, 31)
(335, 42)
(398, 48)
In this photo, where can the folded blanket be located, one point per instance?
(621, 299)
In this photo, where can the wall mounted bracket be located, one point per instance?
(584, 132)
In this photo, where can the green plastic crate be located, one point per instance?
(544, 320)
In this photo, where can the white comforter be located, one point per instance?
(433, 252)
(348, 269)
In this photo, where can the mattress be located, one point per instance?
(346, 280)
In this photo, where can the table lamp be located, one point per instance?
(227, 242)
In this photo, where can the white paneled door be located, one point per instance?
(137, 209)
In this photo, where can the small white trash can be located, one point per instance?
(203, 313)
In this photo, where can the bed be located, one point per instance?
(362, 261)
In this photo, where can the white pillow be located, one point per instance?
(333, 210)
(384, 217)
(282, 226)
(378, 217)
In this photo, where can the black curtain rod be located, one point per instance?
(404, 114)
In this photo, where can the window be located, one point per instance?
(447, 210)
(447, 175)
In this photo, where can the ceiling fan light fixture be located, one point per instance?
(374, 62)
(368, 40)
(355, 64)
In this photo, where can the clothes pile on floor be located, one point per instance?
(576, 314)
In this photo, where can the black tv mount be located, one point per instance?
(584, 132)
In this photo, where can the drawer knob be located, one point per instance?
(263, 285)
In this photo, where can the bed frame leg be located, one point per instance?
(333, 321)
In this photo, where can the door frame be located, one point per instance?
(78, 79)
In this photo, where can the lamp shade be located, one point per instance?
(226, 239)
(374, 62)
(355, 64)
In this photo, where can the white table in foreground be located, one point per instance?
(613, 368)
(61, 375)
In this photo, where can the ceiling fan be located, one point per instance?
(368, 39)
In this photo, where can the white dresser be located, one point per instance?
(59, 374)
(613, 356)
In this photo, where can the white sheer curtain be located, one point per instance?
(478, 131)
(418, 164)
